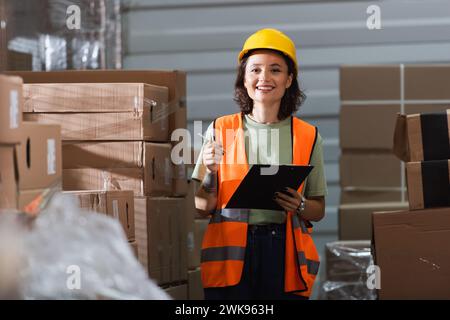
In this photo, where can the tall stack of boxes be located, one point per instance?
(30, 152)
(371, 177)
(411, 246)
(116, 127)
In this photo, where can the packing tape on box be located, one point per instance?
(435, 135)
(435, 183)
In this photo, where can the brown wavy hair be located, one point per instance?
(291, 101)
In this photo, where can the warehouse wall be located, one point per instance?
(203, 37)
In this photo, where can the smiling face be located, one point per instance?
(266, 77)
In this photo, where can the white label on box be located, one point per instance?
(51, 156)
(167, 175)
(190, 241)
(115, 204)
(13, 109)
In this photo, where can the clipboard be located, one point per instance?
(256, 190)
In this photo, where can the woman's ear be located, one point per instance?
(289, 81)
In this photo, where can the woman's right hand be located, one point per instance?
(212, 155)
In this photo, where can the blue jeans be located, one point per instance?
(263, 271)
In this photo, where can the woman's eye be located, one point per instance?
(255, 70)
(276, 70)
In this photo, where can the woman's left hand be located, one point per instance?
(288, 202)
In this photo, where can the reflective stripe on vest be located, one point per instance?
(225, 239)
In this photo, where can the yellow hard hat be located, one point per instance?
(269, 39)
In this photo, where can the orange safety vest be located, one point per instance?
(225, 239)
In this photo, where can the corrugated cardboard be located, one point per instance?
(39, 155)
(175, 80)
(376, 170)
(355, 222)
(8, 177)
(178, 292)
(382, 82)
(145, 168)
(364, 196)
(19, 61)
(116, 204)
(11, 103)
(178, 116)
(164, 243)
(93, 97)
(195, 287)
(104, 126)
(27, 196)
(428, 184)
(199, 232)
(193, 251)
(180, 181)
(422, 137)
(134, 248)
(140, 222)
(372, 127)
(102, 154)
(411, 249)
(362, 82)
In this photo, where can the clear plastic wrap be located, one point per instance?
(346, 275)
(69, 253)
(41, 28)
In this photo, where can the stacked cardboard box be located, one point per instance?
(116, 204)
(31, 152)
(423, 141)
(195, 231)
(410, 245)
(117, 126)
(371, 96)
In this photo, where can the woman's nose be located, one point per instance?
(264, 75)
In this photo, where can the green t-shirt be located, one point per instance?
(260, 150)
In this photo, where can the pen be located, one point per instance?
(205, 138)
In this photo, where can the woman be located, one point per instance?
(261, 254)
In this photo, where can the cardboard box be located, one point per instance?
(163, 242)
(199, 232)
(39, 156)
(134, 111)
(423, 137)
(11, 102)
(174, 80)
(27, 196)
(143, 167)
(428, 184)
(195, 287)
(193, 251)
(93, 97)
(19, 61)
(104, 126)
(116, 204)
(180, 181)
(383, 82)
(178, 116)
(375, 170)
(372, 127)
(355, 222)
(141, 233)
(411, 249)
(134, 248)
(9, 177)
(371, 98)
(178, 292)
(361, 195)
